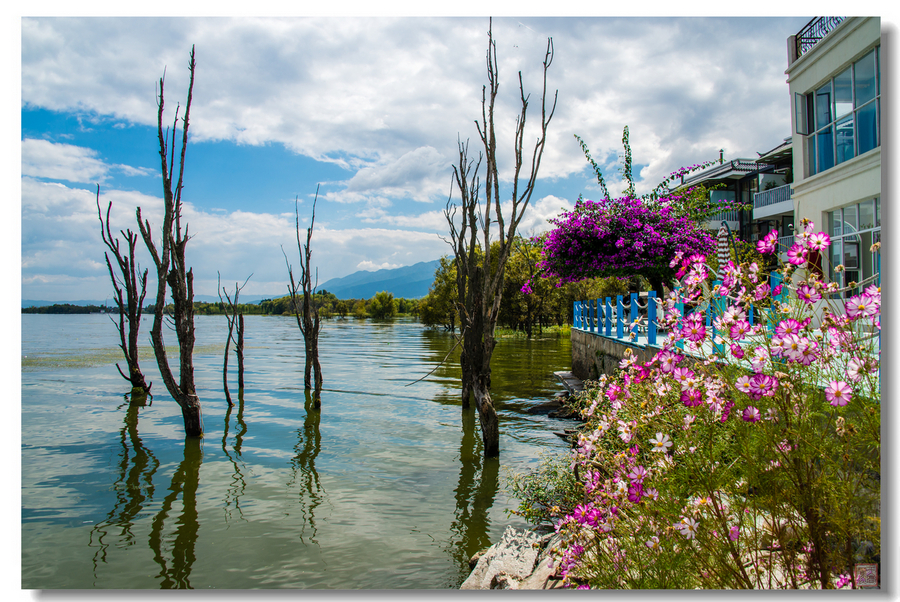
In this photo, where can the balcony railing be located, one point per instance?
(785, 243)
(814, 31)
(772, 196)
(725, 216)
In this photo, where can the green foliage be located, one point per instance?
(438, 308)
(66, 308)
(381, 306)
(547, 492)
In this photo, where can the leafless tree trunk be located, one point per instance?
(480, 280)
(130, 302)
(309, 321)
(172, 270)
(234, 316)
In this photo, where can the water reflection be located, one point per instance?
(303, 467)
(238, 485)
(133, 486)
(177, 573)
(475, 491)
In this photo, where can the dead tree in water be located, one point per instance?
(309, 321)
(234, 316)
(479, 274)
(172, 270)
(129, 302)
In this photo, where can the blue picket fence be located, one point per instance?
(632, 320)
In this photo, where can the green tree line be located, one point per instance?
(530, 303)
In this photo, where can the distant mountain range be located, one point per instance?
(409, 282)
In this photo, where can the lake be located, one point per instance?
(383, 488)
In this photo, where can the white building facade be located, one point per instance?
(834, 75)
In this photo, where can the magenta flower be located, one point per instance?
(691, 397)
(808, 294)
(860, 305)
(734, 533)
(694, 329)
(797, 254)
(751, 414)
(740, 329)
(635, 492)
(737, 351)
(838, 393)
(818, 242)
(743, 384)
(789, 326)
(768, 242)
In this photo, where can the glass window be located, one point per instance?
(877, 211)
(867, 215)
(800, 114)
(824, 150)
(851, 225)
(865, 87)
(843, 93)
(823, 106)
(836, 253)
(811, 155)
(866, 128)
(834, 222)
(844, 139)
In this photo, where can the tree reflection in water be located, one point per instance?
(470, 529)
(303, 466)
(184, 482)
(238, 483)
(133, 487)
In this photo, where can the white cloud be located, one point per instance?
(45, 159)
(371, 266)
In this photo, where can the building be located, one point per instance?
(834, 76)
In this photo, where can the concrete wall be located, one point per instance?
(593, 355)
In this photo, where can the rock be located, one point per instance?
(514, 556)
(520, 560)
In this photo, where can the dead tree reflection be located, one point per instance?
(133, 486)
(180, 545)
(238, 483)
(479, 480)
(303, 466)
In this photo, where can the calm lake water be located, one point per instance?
(385, 487)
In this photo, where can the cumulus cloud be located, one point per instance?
(58, 161)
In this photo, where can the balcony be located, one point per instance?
(785, 243)
(810, 35)
(775, 201)
(732, 217)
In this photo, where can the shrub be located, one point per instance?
(754, 463)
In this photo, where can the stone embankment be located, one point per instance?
(520, 560)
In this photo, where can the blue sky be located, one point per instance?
(370, 108)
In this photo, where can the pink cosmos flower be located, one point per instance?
(638, 473)
(660, 443)
(860, 305)
(688, 527)
(838, 393)
(818, 242)
(734, 533)
(683, 375)
(789, 326)
(751, 414)
(652, 543)
(635, 492)
(797, 254)
(694, 329)
(808, 294)
(856, 368)
(691, 397)
(768, 242)
(739, 329)
(743, 384)
(737, 351)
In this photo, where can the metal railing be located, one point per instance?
(814, 31)
(785, 243)
(772, 196)
(726, 216)
(626, 321)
